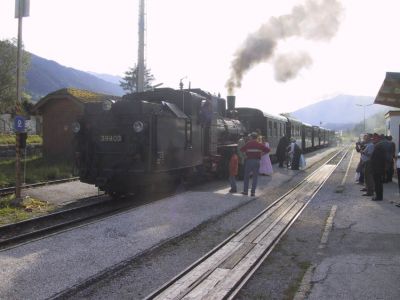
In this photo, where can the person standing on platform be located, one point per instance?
(242, 157)
(294, 153)
(360, 146)
(253, 150)
(265, 162)
(366, 162)
(378, 160)
(233, 170)
(281, 150)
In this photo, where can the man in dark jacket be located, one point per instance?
(378, 160)
(281, 150)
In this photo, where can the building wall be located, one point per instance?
(392, 128)
(58, 115)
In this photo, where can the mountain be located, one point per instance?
(340, 112)
(107, 77)
(46, 76)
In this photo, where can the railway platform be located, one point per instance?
(358, 256)
(358, 253)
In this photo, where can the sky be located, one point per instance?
(200, 41)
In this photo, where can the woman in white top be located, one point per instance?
(265, 162)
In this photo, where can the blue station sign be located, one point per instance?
(19, 124)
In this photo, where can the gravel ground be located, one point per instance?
(63, 193)
(96, 253)
(139, 277)
(359, 261)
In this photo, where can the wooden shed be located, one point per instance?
(59, 110)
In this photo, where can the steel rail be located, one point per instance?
(14, 234)
(246, 276)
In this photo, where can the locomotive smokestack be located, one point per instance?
(231, 103)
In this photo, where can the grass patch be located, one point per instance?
(295, 285)
(30, 208)
(9, 139)
(37, 170)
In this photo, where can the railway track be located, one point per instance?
(11, 190)
(100, 206)
(222, 272)
(24, 231)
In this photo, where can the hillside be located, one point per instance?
(107, 77)
(46, 76)
(340, 112)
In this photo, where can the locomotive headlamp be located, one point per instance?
(75, 126)
(138, 126)
(107, 104)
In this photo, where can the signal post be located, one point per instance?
(21, 10)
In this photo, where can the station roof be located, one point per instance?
(79, 95)
(389, 93)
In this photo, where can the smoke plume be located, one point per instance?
(286, 66)
(316, 20)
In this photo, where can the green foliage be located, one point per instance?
(9, 139)
(37, 170)
(30, 208)
(8, 73)
(375, 123)
(129, 82)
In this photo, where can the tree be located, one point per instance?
(375, 123)
(129, 82)
(8, 73)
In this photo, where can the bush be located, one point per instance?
(9, 139)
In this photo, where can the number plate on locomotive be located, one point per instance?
(111, 138)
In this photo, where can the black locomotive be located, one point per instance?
(156, 136)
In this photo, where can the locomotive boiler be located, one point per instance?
(154, 137)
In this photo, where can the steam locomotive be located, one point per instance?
(165, 134)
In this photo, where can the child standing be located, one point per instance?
(233, 170)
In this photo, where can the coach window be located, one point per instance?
(275, 129)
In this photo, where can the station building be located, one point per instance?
(59, 110)
(389, 95)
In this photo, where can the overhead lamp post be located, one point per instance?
(364, 105)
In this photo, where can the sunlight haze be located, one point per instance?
(199, 39)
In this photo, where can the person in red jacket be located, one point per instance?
(254, 150)
(233, 171)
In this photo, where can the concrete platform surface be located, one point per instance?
(362, 257)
